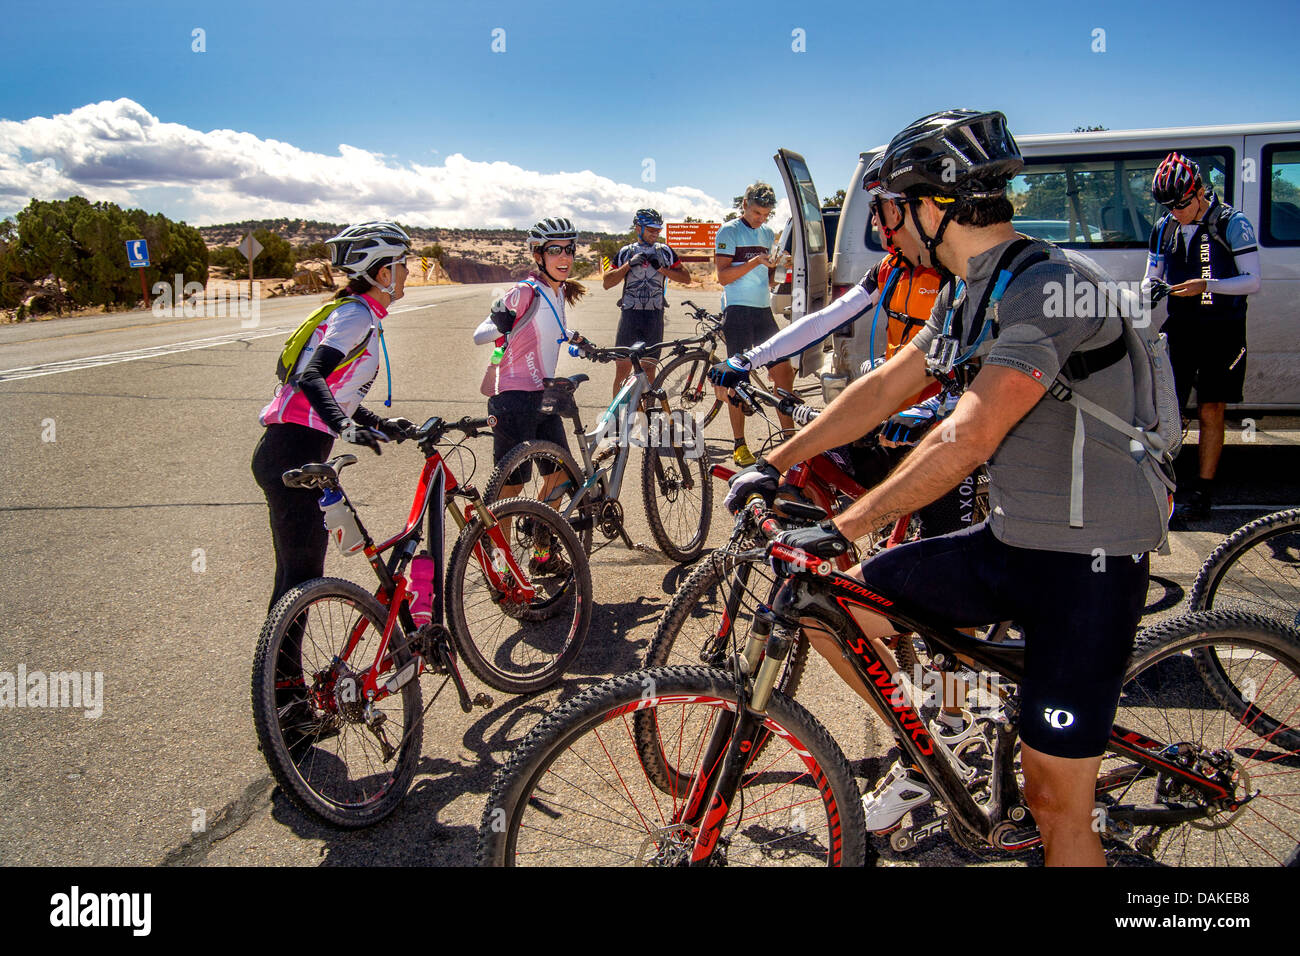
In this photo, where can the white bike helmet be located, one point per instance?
(359, 249)
(549, 230)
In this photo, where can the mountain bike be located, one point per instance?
(674, 470)
(683, 374)
(1255, 570)
(723, 592)
(760, 781)
(336, 690)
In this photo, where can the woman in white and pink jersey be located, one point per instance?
(528, 326)
(322, 396)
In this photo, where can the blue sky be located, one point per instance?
(708, 91)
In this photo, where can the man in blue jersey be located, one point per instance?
(1204, 255)
(742, 259)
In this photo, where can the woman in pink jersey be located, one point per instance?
(528, 325)
(322, 398)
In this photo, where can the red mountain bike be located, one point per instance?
(336, 694)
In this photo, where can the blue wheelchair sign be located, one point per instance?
(137, 253)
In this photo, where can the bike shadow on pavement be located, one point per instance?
(419, 833)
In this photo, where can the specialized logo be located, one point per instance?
(1058, 719)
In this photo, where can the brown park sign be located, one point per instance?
(692, 235)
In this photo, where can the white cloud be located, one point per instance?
(118, 151)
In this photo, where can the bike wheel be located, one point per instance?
(696, 629)
(685, 381)
(546, 455)
(330, 758)
(575, 791)
(1255, 756)
(678, 491)
(512, 646)
(1255, 570)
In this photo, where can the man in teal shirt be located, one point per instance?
(742, 258)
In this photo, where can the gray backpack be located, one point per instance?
(1156, 433)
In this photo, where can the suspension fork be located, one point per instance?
(735, 739)
(522, 590)
(685, 476)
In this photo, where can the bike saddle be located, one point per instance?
(566, 385)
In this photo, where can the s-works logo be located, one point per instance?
(1058, 719)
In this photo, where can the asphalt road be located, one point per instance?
(134, 543)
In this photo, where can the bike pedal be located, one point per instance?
(903, 840)
(482, 700)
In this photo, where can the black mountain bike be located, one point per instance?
(759, 781)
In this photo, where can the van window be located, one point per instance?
(814, 234)
(1281, 195)
(1102, 201)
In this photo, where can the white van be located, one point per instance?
(1092, 192)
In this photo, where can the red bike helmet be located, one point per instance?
(1176, 179)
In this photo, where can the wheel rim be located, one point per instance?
(522, 642)
(331, 748)
(594, 804)
(681, 509)
(1264, 579)
(1169, 702)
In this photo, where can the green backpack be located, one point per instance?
(292, 350)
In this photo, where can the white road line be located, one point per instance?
(133, 355)
(114, 358)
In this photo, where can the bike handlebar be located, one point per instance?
(323, 477)
(785, 403)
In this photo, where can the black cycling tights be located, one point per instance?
(297, 528)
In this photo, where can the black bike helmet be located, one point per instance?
(956, 154)
(1176, 179)
(964, 154)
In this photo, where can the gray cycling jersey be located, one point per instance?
(1048, 312)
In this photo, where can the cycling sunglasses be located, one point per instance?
(1181, 204)
(555, 250)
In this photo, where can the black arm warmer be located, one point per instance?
(312, 384)
(366, 418)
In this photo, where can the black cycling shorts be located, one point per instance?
(1079, 615)
(1210, 354)
(641, 325)
(520, 419)
(744, 326)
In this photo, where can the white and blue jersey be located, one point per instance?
(742, 243)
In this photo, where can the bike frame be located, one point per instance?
(826, 596)
(436, 485)
(606, 482)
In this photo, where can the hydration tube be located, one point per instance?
(884, 294)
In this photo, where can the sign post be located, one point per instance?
(137, 256)
(250, 248)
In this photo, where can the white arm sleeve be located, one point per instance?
(1247, 280)
(486, 332)
(811, 329)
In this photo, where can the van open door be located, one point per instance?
(809, 269)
